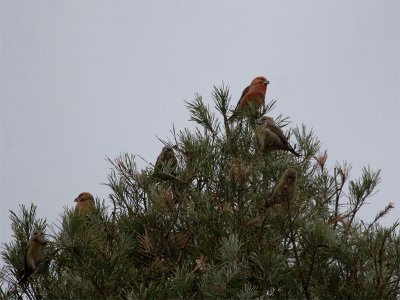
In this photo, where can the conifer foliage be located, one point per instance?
(205, 226)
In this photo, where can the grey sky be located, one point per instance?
(85, 80)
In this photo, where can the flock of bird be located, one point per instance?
(269, 137)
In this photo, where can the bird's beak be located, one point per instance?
(258, 122)
(76, 200)
(266, 82)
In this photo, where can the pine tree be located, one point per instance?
(205, 231)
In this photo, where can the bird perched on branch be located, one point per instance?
(270, 136)
(285, 188)
(166, 162)
(34, 254)
(253, 95)
(84, 203)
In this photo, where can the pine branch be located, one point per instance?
(361, 189)
(200, 113)
(222, 99)
(381, 214)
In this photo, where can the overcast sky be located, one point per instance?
(82, 80)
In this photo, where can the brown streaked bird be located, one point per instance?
(166, 160)
(84, 203)
(285, 188)
(253, 94)
(271, 137)
(34, 254)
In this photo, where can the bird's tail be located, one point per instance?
(25, 276)
(291, 149)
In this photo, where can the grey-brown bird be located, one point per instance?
(285, 188)
(166, 162)
(84, 203)
(254, 94)
(271, 137)
(34, 254)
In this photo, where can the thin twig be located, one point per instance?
(338, 192)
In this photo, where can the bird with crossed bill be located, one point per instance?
(253, 95)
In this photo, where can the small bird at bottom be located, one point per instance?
(285, 188)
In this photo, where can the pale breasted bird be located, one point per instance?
(271, 137)
(84, 203)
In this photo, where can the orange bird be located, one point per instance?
(270, 136)
(253, 94)
(85, 203)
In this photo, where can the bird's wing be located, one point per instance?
(273, 196)
(273, 190)
(278, 131)
(245, 91)
(159, 160)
